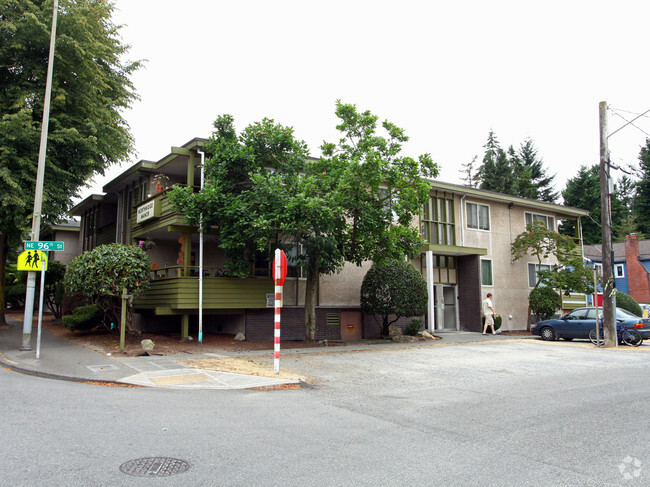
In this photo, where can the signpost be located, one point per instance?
(279, 274)
(34, 258)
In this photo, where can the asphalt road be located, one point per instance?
(493, 414)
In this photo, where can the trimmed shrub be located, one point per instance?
(414, 327)
(84, 318)
(628, 303)
(497, 322)
(544, 302)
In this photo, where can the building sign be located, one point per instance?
(149, 210)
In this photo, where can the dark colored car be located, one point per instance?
(578, 323)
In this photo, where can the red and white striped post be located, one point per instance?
(279, 274)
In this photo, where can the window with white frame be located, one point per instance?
(478, 216)
(619, 270)
(533, 269)
(549, 221)
(599, 269)
(294, 268)
(486, 273)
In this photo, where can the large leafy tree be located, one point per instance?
(642, 194)
(90, 90)
(570, 275)
(583, 191)
(356, 203)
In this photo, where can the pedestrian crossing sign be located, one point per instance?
(31, 260)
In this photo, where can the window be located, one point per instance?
(262, 265)
(599, 269)
(478, 216)
(486, 273)
(437, 221)
(619, 270)
(293, 268)
(549, 221)
(533, 269)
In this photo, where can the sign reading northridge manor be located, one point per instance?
(149, 210)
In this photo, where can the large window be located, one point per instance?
(478, 216)
(486, 273)
(437, 221)
(533, 269)
(549, 221)
(293, 268)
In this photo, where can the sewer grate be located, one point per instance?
(154, 467)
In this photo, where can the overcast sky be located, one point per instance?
(447, 72)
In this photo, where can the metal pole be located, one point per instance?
(278, 306)
(38, 194)
(606, 220)
(201, 257)
(40, 306)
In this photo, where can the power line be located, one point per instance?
(629, 122)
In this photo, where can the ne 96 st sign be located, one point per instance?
(44, 246)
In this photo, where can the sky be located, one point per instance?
(448, 72)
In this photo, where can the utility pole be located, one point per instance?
(606, 221)
(38, 194)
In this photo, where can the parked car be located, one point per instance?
(578, 323)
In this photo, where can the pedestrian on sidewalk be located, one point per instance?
(488, 313)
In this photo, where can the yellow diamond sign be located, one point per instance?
(31, 260)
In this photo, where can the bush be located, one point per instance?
(544, 302)
(628, 303)
(497, 322)
(414, 327)
(84, 318)
(393, 288)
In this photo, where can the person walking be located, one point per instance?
(488, 313)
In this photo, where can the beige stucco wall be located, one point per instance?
(343, 289)
(510, 279)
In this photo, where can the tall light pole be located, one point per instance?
(606, 221)
(38, 194)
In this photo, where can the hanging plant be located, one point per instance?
(147, 243)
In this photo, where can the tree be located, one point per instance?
(102, 274)
(470, 177)
(544, 301)
(542, 243)
(642, 194)
(538, 185)
(356, 203)
(393, 288)
(90, 90)
(496, 173)
(583, 191)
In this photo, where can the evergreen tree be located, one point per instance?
(539, 180)
(642, 194)
(470, 177)
(496, 173)
(583, 191)
(90, 90)
(524, 186)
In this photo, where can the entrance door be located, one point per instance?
(449, 308)
(445, 299)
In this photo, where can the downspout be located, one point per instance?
(201, 257)
(462, 222)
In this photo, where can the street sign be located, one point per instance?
(31, 260)
(42, 245)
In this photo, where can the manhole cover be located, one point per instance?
(154, 467)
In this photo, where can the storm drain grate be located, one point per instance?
(154, 467)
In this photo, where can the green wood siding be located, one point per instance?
(182, 293)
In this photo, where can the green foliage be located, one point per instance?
(642, 194)
(354, 204)
(583, 191)
(101, 274)
(544, 302)
(498, 321)
(90, 91)
(393, 288)
(414, 327)
(84, 318)
(628, 303)
(496, 173)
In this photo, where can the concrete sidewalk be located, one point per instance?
(62, 359)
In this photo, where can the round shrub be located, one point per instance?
(497, 322)
(544, 302)
(414, 327)
(628, 303)
(84, 318)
